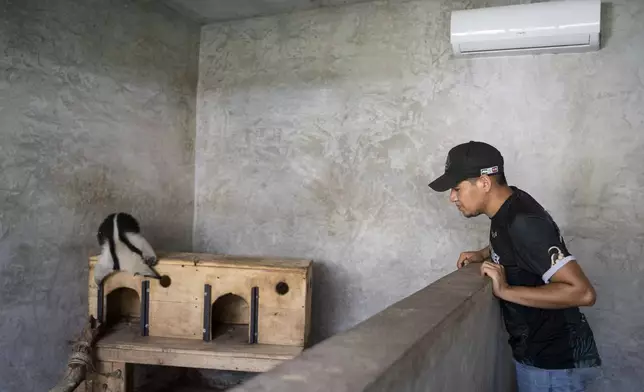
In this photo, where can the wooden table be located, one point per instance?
(123, 346)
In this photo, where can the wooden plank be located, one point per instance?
(91, 304)
(191, 360)
(228, 261)
(110, 376)
(93, 288)
(125, 345)
(281, 326)
(115, 281)
(176, 319)
(186, 284)
(294, 298)
(239, 282)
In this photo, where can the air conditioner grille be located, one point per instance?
(521, 44)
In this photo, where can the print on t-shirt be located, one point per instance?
(495, 257)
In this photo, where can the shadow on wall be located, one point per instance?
(329, 307)
(607, 23)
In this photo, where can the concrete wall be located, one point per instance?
(96, 115)
(446, 337)
(318, 132)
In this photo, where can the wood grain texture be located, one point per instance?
(177, 311)
(109, 376)
(176, 319)
(230, 261)
(228, 352)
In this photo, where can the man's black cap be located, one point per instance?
(468, 160)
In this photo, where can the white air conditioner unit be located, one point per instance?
(551, 27)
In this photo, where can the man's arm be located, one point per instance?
(478, 256)
(542, 251)
(568, 287)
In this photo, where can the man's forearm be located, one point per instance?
(550, 296)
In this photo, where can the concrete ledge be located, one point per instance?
(446, 337)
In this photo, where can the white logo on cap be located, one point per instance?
(490, 170)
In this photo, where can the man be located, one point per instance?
(539, 284)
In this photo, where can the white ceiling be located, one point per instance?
(206, 11)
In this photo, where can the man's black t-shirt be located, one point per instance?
(526, 241)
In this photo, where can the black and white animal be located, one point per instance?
(123, 248)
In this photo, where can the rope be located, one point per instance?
(84, 358)
(81, 358)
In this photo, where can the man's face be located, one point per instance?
(468, 198)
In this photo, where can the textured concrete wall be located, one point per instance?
(318, 132)
(445, 337)
(97, 102)
(208, 11)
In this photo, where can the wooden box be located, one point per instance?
(185, 309)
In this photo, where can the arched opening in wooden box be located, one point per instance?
(229, 318)
(123, 306)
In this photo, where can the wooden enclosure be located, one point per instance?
(218, 312)
(178, 311)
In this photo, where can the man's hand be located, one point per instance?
(470, 257)
(496, 272)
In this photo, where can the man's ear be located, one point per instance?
(486, 182)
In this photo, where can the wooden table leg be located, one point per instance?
(110, 377)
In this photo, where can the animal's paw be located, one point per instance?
(151, 261)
